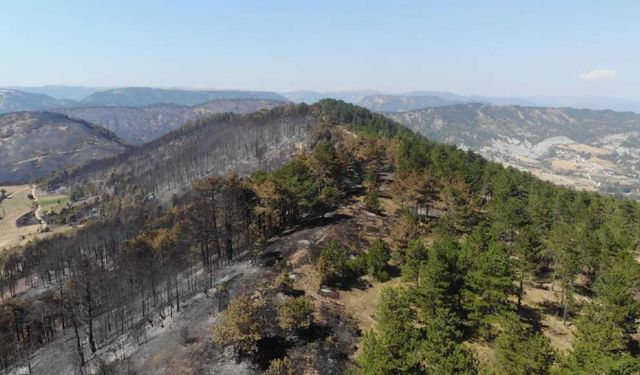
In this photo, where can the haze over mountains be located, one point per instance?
(582, 148)
(12, 100)
(18, 98)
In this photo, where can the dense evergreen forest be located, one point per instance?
(468, 238)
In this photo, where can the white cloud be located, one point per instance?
(598, 74)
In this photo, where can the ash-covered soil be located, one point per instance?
(181, 343)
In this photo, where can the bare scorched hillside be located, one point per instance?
(216, 145)
(138, 125)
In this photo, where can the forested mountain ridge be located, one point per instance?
(34, 144)
(138, 125)
(447, 262)
(143, 96)
(310, 97)
(577, 147)
(60, 91)
(15, 100)
(403, 103)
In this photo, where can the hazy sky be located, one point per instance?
(471, 47)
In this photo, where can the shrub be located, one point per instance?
(332, 265)
(240, 326)
(280, 367)
(283, 282)
(358, 266)
(377, 259)
(295, 314)
(372, 201)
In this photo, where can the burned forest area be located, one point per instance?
(320, 239)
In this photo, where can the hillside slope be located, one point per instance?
(34, 144)
(577, 147)
(139, 125)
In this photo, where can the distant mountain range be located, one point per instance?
(590, 102)
(385, 102)
(17, 98)
(139, 125)
(472, 98)
(35, 144)
(380, 101)
(12, 100)
(578, 147)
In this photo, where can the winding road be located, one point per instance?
(43, 224)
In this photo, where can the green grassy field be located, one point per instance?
(18, 204)
(53, 203)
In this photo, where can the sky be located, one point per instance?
(496, 48)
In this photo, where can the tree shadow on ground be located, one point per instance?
(295, 292)
(556, 309)
(354, 283)
(316, 332)
(532, 317)
(551, 308)
(270, 348)
(633, 347)
(393, 271)
(584, 291)
(321, 221)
